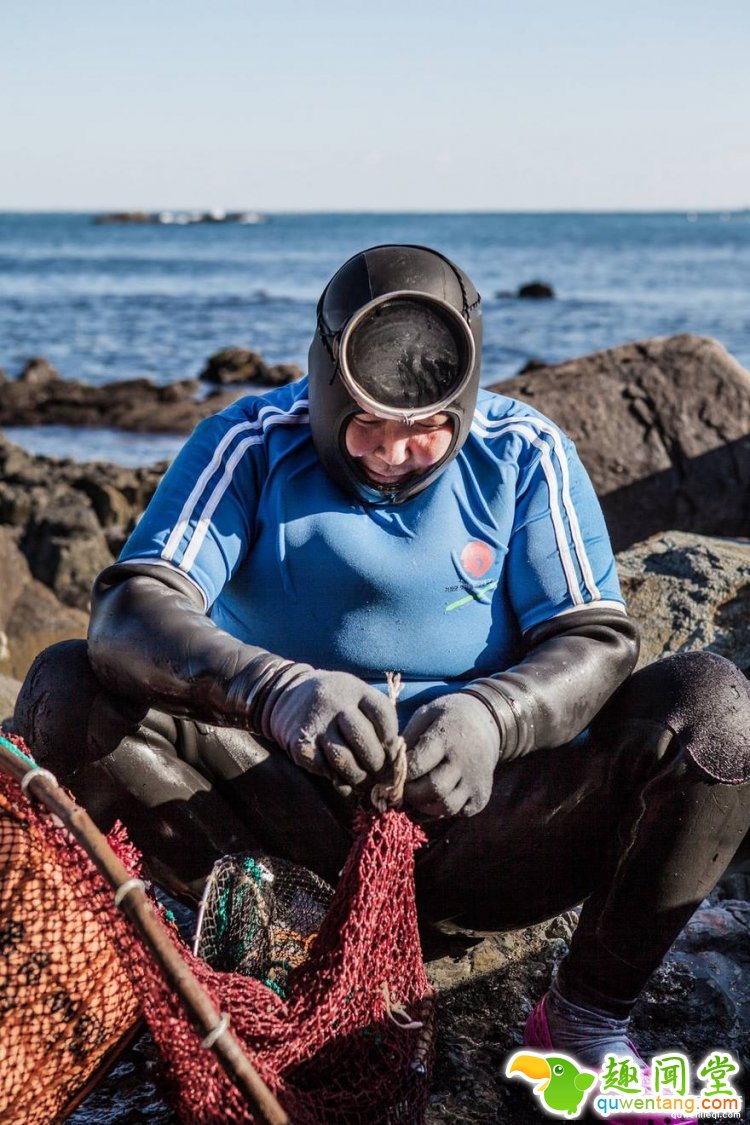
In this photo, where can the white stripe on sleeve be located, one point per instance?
(531, 427)
(267, 416)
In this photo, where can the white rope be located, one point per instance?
(404, 1020)
(126, 887)
(215, 1032)
(390, 794)
(37, 771)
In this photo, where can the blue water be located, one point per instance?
(113, 302)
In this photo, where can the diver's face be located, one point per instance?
(388, 450)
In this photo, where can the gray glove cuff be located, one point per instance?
(271, 690)
(501, 708)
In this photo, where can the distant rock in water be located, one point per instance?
(536, 290)
(238, 365)
(38, 371)
(663, 427)
(182, 218)
(531, 290)
(124, 217)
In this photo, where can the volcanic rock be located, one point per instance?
(699, 999)
(68, 519)
(40, 397)
(135, 404)
(238, 365)
(9, 689)
(532, 364)
(124, 217)
(65, 546)
(536, 291)
(37, 372)
(235, 365)
(31, 617)
(689, 592)
(280, 374)
(663, 428)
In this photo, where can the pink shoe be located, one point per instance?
(537, 1035)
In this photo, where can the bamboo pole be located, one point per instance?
(136, 905)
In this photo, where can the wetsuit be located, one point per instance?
(440, 589)
(491, 576)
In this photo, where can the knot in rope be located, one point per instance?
(390, 794)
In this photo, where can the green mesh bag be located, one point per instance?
(259, 916)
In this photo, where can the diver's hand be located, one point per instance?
(332, 724)
(452, 748)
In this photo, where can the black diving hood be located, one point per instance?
(399, 335)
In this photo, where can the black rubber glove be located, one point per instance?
(572, 665)
(453, 746)
(333, 724)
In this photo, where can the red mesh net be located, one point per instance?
(349, 1043)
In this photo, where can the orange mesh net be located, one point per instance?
(350, 1040)
(65, 995)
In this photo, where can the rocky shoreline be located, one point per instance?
(40, 396)
(663, 427)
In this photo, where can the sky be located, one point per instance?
(397, 105)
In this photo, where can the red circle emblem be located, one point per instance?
(477, 558)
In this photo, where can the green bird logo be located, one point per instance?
(561, 1084)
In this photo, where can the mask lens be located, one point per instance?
(406, 355)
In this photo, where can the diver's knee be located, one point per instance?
(53, 688)
(58, 707)
(702, 703)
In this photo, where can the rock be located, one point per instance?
(14, 576)
(487, 985)
(699, 999)
(9, 689)
(536, 290)
(38, 619)
(134, 404)
(108, 503)
(31, 617)
(532, 365)
(125, 217)
(238, 365)
(69, 520)
(689, 592)
(235, 365)
(182, 218)
(66, 547)
(663, 428)
(282, 373)
(38, 372)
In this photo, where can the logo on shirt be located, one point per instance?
(476, 558)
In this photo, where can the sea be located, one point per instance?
(110, 302)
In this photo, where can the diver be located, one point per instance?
(385, 514)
